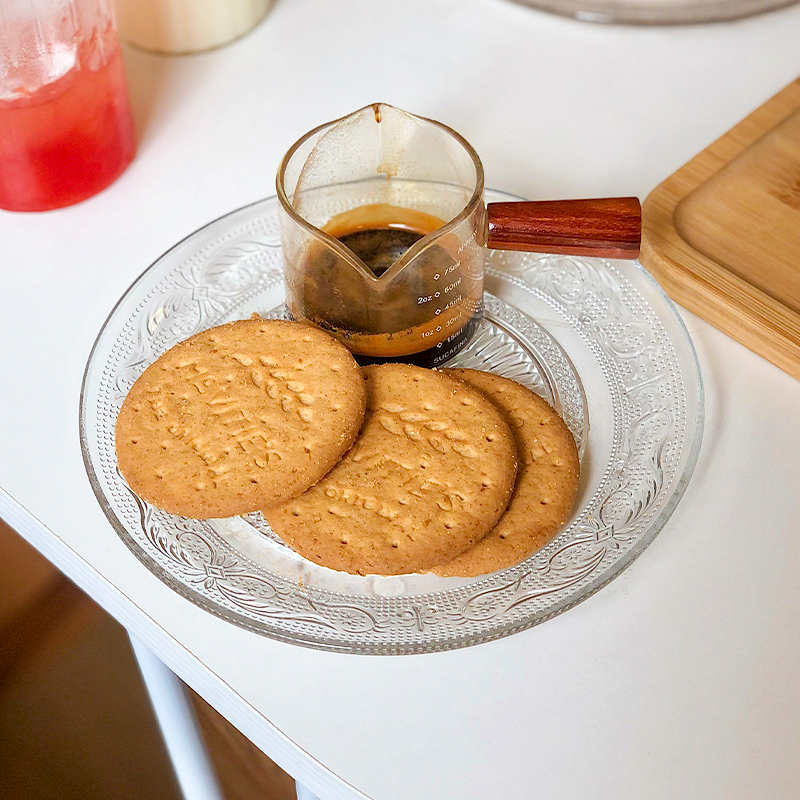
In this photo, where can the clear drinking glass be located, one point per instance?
(65, 123)
(383, 229)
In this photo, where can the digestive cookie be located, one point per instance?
(429, 475)
(239, 417)
(547, 478)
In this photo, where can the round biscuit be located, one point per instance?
(429, 475)
(239, 417)
(547, 478)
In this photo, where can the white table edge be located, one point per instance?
(292, 758)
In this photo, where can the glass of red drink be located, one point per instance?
(65, 123)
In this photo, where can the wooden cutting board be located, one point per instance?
(722, 234)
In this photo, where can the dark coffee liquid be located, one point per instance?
(423, 315)
(434, 356)
(379, 248)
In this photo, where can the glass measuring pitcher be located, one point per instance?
(384, 231)
(382, 225)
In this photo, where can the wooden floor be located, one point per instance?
(75, 719)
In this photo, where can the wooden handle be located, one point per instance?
(608, 227)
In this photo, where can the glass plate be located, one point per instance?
(657, 12)
(556, 323)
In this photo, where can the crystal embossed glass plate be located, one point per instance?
(598, 339)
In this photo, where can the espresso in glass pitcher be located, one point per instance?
(382, 231)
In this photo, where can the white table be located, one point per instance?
(679, 679)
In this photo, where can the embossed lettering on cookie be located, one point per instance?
(429, 475)
(239, 417)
